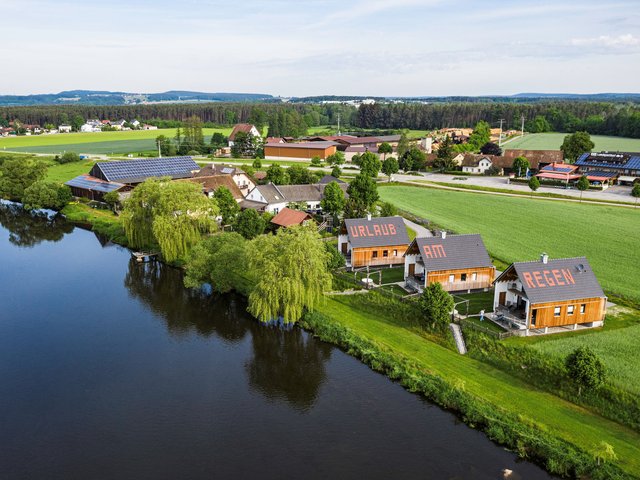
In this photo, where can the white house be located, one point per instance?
(245, 128)
(273, 198)
(476, 164)
(64, 129)
(135, 123)
(240, 178)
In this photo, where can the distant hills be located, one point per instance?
(97, 97)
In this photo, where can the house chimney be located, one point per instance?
(444, 234)
(544, 258)
(368, 216)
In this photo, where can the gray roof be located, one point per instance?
(330, 178)
(389, 138)
(294, 193)
(558, 280)
(218, 169)
(377, 232)
(137, 171)
(271, 193)
(87, 182)
(453, 252)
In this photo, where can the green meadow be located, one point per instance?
(552, 141)
(519, 229)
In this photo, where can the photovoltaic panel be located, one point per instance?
(90, 183)
(134, 171)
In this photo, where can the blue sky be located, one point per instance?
(315, 47)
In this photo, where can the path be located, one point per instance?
(419, 229)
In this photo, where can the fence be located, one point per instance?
(465, 323)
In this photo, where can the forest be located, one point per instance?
(598, 118)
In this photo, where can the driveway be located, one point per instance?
(419, 229)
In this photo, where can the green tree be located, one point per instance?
(370, 164)
(68, 157)
(336, 159)
(444, 155)
(575, 145)
(582, 185)
(208, 262)
(635, 192)
(299, 175)
(77, 122)
(603, 452)
(219, 140)
(249, 224)
(436, 306)
(403, 145)
(336, 172)
(414, 159)
(538, 125)
(293, 274)
(363, 194)
(166, 147)
(333, 199)
(585, 369)
(276, 174)
(534, 184)
(228, 206)
(491, 148)
(520, 166)
(257, 163)
(112, 199)
(17, 174)
(44, 194)
(385, 149)
(244, 145)
(193, 139)
(388, 210)
(480, 136)
(316, 161)
(173, 215)
(390, 166)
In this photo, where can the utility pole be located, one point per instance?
(522, 130)
(500, 137)
(159, 151)
(339, 124)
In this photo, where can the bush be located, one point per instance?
(316, 162)
(67, 157)
(193, 153)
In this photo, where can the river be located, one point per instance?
(112, 369)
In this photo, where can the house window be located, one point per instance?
(463, 277)
(452, 278)
(395, 253)
(474, 276)
(276, 210)
(583, 308)
(570, 309)
(557, 311)
(385, 253)
(375, 254)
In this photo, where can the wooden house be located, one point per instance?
(550, 293)
(379, 241)
(460, 263)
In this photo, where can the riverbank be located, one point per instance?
(562, 436)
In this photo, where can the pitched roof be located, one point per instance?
(389, 138)
(377, 232)
(217, 169)
(559, 168)
(212, 183)
(288, 217)
(557, 280)
(350, 140)
(137, 171)
(616, 160)
(535, 157)
(306, 145)
(452, 252)
(302, 193)
(330, 178)
(88, 182)
(240, 127)
(473, 160)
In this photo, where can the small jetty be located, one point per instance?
(142, 257)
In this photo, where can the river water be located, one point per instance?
(110, 369)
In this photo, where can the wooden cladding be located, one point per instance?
(281, 151)
(374, 256)
(463, 279)
(556, 314)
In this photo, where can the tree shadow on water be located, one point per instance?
(28, 229)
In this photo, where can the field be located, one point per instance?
(67, 171)
(97, 143)
(568, 421)
(552, 141)
(333, 129)
(520, 229)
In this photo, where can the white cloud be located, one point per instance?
(621, 41)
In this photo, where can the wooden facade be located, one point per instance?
(557, 314)
(283, 150)
(378, 256)
(463, 279)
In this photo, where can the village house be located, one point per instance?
(240, 177)
(299, 151)
(537, 159)
(288, 217)
(549, 293)
(614, 166)
(214, 182)
(118, 124)
(274, 198)
(477, 164)
(460, 263)
(373, 241)
(64, 129)
(245, 128)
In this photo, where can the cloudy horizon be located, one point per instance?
(321, 47)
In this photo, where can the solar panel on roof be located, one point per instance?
(98, 186)
(139, 170)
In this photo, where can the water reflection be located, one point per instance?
(285, 365)
(27, 229)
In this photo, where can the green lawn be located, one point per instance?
(99, 142)
(519, 229)
(477, 301)
(552, 141)
(67, 171)
(389, 275)
(570, 422)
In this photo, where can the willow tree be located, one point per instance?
(292, 273)
(171, 215)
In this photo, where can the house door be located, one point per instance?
(502, 299)
(412, 269)
(344, 248)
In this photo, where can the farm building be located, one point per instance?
(460, 263)
(212, 183)
(288, 217)
(299, 151)
(623, 167)
(241, 179)
(244, 128)
(87, 186)
(566, 172)
(273, 198)
(137, 171)
(549, 293)
(379, 241)
(537, 158)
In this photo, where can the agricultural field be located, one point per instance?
(332, 130)
(552, 141)
(97, 143)
(519, 229)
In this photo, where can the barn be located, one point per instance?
(86, 186)
(460, 263)
(373, 242)
(550, 293)
(299, 151)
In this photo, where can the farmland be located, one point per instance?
(552, 141)
(519, 229)
(97, 143)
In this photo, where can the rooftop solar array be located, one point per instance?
(551, 168)
(135, 171)
(624, 161)
(95, 184)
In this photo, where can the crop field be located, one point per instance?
(552, 141)
(519, 229)
(99, 142)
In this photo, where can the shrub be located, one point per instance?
(68, 157)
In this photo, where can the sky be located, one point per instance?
(321, 47)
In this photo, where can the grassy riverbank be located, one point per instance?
(103, 222)
(506, 408)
